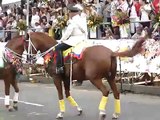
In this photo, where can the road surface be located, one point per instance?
(39, 102)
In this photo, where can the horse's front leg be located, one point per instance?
(58, 84)
(70, 98)
(16, 94)
(7, 95)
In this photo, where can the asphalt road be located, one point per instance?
(39, 102)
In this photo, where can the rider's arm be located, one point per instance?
(68, 32)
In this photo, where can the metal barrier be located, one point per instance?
(3, 34)
(13, 31)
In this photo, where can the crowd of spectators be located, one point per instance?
(43, 16)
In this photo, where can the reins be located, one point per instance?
(19, 56)
(34, 56)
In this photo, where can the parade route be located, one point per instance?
(40, 102)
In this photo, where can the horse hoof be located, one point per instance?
(115, 116)
(102, 115)
(80, 113)
(77, 83)
(10, 109)
(15, 106)
(79, 110)
(59, 116)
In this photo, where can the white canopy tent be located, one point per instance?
(5, 2)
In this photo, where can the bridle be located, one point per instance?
(30, 47)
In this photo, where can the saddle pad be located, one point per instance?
(76, 50)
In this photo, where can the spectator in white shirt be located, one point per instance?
(132, 15)
(145, 10)
(38, 27)
(107, 11)
(123, 5)
(35, 17)
(14, 22)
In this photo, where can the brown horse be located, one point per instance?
(97, 62)
(12, 55)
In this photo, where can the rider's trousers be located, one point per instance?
(59, 50)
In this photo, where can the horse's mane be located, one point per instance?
(39, 36)
(42, 35)
(14, 41)
(16, 37)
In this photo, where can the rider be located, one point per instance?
(74, 34)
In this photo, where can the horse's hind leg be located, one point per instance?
(117, 107)
(69, 97)
(16, 94)
(102, 106)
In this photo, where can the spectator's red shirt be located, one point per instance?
(156, 5)
(137, 6)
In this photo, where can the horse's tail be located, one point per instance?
(137, 48)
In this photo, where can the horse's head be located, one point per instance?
(38, 42)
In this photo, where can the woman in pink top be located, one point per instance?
(156, 6)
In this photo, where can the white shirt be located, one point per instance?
(123, 6)
(75, 32)
(25, 11)
(145, 12)
(84, 22)
(14, 24)
(9, 11)
(133, 13)
(98, 8)
(38, 28)
(35, 18)
(114, 5)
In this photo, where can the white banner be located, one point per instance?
(147, 61)
(10, 1)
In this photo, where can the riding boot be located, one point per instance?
(59, 63)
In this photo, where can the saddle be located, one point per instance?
(75, 52)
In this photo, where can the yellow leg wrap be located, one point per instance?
(72, 101)
(117, 106)
(102, 105)
(62, 105)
